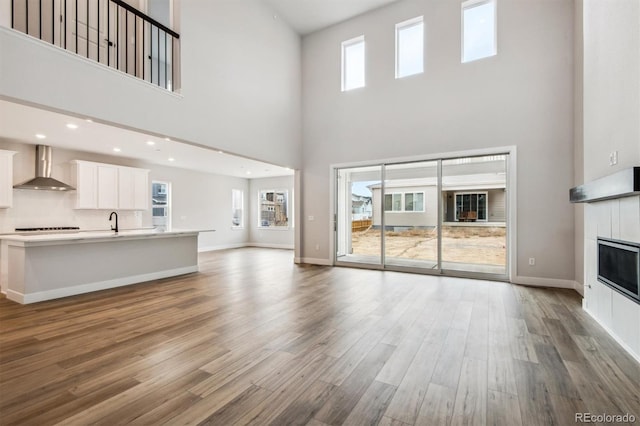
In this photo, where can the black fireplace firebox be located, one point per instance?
(619, 266)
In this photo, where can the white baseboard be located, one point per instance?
(579, 287)
(313, 261)
(221, 247)
(545, 282)
(269, 245)
(100, 285)
(612, 334)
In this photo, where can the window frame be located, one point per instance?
(409, 23)
(486, 198)
(242, 209)
(404, 204)
(403, 201)
(343, 65)
(287, 210)
(470, 4)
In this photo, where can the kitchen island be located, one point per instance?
(35, 268)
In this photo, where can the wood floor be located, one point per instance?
(255, 339)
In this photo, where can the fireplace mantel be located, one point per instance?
(624, 183)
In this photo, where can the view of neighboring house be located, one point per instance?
(361, 207)
(473, 190)
(273, 209)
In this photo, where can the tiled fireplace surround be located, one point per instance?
(618, 219)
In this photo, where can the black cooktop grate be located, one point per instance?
(49, 228)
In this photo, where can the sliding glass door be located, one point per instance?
(474, 229)
(358, 223)
(444, 216)
(410, 214)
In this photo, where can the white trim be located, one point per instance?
(270, 245)
(469, 4)
(544, 282)
(205, 249)
(419, 20)
(96, 286)
(612, 334)
(313, 261)
(343, 72)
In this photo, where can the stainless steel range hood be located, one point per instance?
(43, 179)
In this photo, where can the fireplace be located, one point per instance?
(619, 266)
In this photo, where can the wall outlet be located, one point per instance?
(317, 246)
(532, 261)
(312, 218)
(613, 158)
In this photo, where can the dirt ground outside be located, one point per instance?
(473, 244)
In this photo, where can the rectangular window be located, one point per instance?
(237, 208)
(413, 202)
(160, 200)
(478, 29)
(353, 60)
(273, 209)
(393, 202)
(471, 207)
(409, 47)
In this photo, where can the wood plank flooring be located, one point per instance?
(254, 339)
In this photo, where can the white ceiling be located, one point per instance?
(307, 16)
(21, 123)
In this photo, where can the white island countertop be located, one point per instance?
(94, 236)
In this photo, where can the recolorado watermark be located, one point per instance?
(605, 418)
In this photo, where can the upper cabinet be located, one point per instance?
(110, 187)
(6, 178)
(133, 188)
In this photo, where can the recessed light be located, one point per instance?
(220, 152)
(40, 136)
(167, 139)
(88, 120)
(117, 149)
(172, 159)
(72, 126)
(150, 143)
(248, 172)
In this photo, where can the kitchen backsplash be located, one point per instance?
(49, 208)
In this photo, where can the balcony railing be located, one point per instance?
(110, 32)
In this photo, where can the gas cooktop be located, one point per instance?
(49, 229)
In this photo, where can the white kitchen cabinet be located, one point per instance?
(133, 191)
(6, 178)
(107, 187)
(84, 178)
(110, 187)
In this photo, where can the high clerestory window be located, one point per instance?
(353, 61)
(410, 47)
(478, 29)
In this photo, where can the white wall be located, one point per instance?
(522, 97)
(240, 81)
(611, 97)
(277, 238)
(199, 200)
(611, 85)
